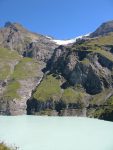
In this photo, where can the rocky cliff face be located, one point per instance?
(15, 37)
(88, 68)
(77, 79)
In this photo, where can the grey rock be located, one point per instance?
(104, 29)
(15, 36)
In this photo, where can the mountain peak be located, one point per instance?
(8, 24)
(15, 26)
(104, 29)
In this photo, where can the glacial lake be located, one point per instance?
(56, 133)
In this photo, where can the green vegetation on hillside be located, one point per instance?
(7, 54)
(107, 104)
(6, 58)
(103, 40)
(11, 91)
(100, 98)
(104, 53)
(71, 96)
(96, 46)
(85, 61)
(110, 101)
(26, 68)
(49, 89)
(4, 70)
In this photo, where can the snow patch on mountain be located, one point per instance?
(66, 42)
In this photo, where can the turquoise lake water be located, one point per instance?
(56, 133)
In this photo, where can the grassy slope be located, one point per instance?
(96, 46)
(85, 61)
(71, 96)
(12, 89)
(49, 89)
(26, 68)
(4, 70)
(6, 57)
(100, 98)
(104, 106)
(104, 40)
(8, 54)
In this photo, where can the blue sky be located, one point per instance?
(62, 19)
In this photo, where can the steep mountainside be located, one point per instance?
(15, 37)
(77, 79)
(18, 77)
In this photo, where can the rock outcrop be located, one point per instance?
(15, 37)
(90, 69)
